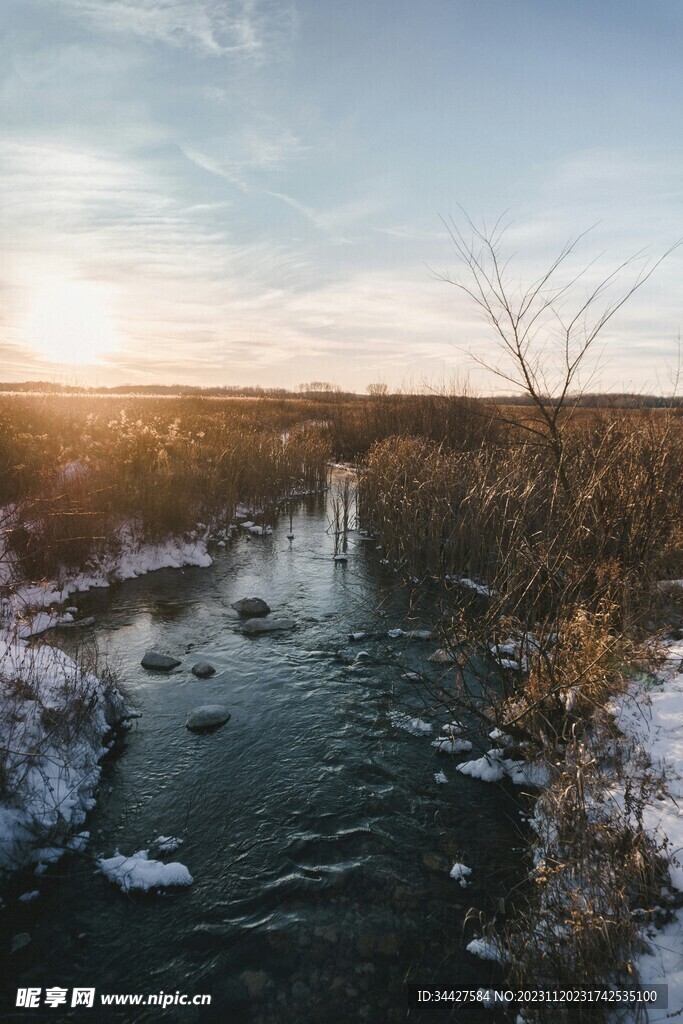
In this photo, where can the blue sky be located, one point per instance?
(251, 191)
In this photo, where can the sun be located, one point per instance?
(69, 322)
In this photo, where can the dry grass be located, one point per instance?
(597, 878)
(77, 467)
(497, 512)
(571, 539)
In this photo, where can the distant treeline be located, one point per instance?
(180, 390)
(324, 391)
(607, 400)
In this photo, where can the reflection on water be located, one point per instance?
(317, 837)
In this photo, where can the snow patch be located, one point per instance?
(167, 844)
(415, 726)
(139, 872)
(494, 767)
(127, 559)
(28, 897)
(452, 745)
(487, 950)
(652, 719)
(460, 872)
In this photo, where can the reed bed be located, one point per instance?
(497, 513)
(568, 538)
(74, 469)
(458, 421)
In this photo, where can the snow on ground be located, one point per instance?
(479, 588)
(28, 607)
(486, 949)
(654, 720)
(40, 621)
(79, 842)
(139, 872)
(54, 718)
(127, 559)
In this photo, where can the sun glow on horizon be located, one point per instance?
(69, 322)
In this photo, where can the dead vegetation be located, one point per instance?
(75, 468)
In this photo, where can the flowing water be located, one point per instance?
(316, 834)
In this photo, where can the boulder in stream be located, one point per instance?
(159, 662)
(209, 716)
(254, 627)
(203, 669)
(251, 607)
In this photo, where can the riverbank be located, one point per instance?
(652, 721)
(58, 716)
(57, 719)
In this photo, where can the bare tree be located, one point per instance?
(546, 331)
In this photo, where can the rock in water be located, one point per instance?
(207, 717)
(444, 656)
(251, 607)
(159, 662)
(19, 940)
(203, 669)
(252, 627)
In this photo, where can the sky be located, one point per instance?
(258, 192)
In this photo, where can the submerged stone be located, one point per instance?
(253, 627)
(436, 862)
(209, 716)
(159, 662)
(203, 669)
(19, 941)
(444, 656)
(251, 607)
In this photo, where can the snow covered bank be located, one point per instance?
(653, 719)
(608, 829)
(126, 558)
(55, 718)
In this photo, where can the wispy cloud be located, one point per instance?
(208, 163)
(330, 220)
(253, 194)
(216, 27)
(337, 217)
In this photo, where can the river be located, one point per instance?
(317, 836)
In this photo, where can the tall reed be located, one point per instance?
(75, 469)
